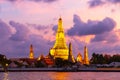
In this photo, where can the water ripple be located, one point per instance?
(60, 76)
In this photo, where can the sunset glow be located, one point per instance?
(95, 23)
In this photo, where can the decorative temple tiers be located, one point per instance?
(60, 49)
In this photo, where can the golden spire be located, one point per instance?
(86, 60)
(60, 25)
(60, 40)
(31, 55)
(60, 49)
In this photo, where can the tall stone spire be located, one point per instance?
(31, 54)
(70, 57)
(86, 60)
(60, 49)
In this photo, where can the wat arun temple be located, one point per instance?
(61, 50)
(60, 57)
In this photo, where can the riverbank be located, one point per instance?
(61, 70)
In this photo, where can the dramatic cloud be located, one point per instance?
(5, 30)
(91, 27)
(38, 27)
(105, 39)
(108, 37)
(104, 48)
(54, 28)
(114, 1)
(94, 3)
(22, 31)
(17, 44)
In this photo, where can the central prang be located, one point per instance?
(60, 49)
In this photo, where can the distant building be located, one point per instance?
(115, 64)
(31, 54)
(12, 65)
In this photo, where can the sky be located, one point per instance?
(94, 23)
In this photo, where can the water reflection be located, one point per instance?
(5, 76)
(59, 76)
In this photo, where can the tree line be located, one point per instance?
(104, 58)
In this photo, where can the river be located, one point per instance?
(60, 76)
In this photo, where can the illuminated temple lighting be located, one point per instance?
(60, 49)
(79, 58)
(31, 54)
(86, 60)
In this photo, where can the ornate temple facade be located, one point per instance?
(60, 49)
(31, 54)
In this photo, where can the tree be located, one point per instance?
(94, 60)
(97, 59)
(4, 61)
(40, 63)
(59, 62)
(115, 58)
(107, 59)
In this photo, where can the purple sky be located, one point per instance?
(95, 23)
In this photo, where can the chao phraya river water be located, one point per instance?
(60, 76)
